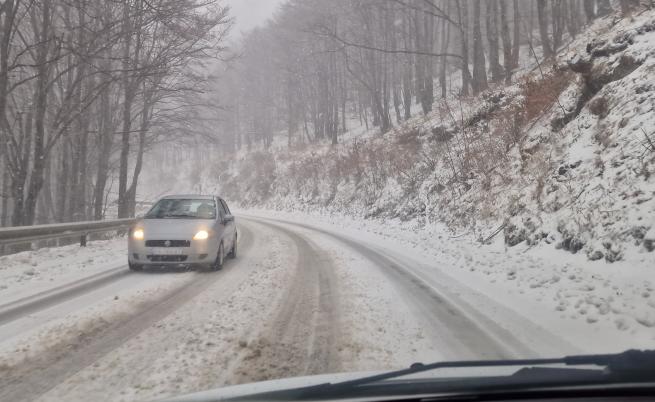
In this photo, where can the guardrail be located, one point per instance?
(26, 234)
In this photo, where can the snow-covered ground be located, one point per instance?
(598, 307)
(314, 293)
(31, 272)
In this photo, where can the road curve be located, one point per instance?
(300, 337)
(276, 311)
(457, 328)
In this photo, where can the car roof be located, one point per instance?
(189, 196)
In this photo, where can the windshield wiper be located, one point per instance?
(629, 366)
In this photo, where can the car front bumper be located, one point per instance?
(199, 252)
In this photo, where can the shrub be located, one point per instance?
(599, 107)
(539, 94)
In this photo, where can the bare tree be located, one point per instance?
(60, 90)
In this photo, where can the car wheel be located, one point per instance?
(218, 263)
(135, 267)
(233, 252)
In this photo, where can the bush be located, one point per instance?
(540, 94)
(599, 107)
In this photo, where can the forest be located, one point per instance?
(88, 88)
(321, 67)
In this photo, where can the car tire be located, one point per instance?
(220, 259)
(233, 252)
(135, 267)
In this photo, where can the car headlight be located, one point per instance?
(201, 235)
(137, 234)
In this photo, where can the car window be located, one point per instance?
(171, 208)
(227, 210)
(221, 209)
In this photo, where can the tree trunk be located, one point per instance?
(479, 63)
(105, 142)
(507, 42)
(45, 205)
(291, 123)
(394, 78)
(50, 189)
(627, 6)
(604, 7)
(344, 99)
(9, 9)
(419, 62)
(138, 165)
(130, 85)
(517, 35)
(543, 29)
(79, 147)
(445, 43)
(19, 168)
(41, 99)
(425, 89)
(462, 13)
(4, 212)
(123, 199)
(335, 101)
(407, 68)
(557, 19)
(573, 20)
(407, 92)
(62, 184)
(80, 199)
(492, 37)
(590, 9)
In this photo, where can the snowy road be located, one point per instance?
(298, 300)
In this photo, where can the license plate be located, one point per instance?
(165, 251)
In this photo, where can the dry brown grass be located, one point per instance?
(541, 93)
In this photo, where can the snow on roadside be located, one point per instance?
(56, 331)
(596, 306)
(379, 330)
(30, 272)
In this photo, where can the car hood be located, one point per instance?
(244, 390)
(173, 229)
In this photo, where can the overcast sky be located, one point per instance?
(250, 13)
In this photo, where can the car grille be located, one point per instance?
(167, 258)
(173, 243)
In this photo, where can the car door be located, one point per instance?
(224, 227)
(221, 229)
(230, 228)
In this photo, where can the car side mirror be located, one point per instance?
(228, 219)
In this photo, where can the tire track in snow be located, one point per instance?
(33, 378)
(20, 308)
(301, 336)
(452, 328)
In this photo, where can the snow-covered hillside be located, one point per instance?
(563, 157)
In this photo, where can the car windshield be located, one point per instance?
(199, 194)
(183, 208)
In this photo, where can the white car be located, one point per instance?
(192, 230)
